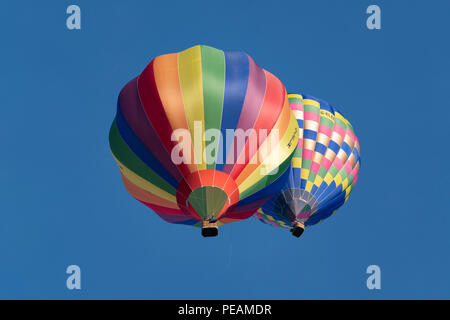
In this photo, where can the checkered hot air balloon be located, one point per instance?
(323, 171)
(203, 137)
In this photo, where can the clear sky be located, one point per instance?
(63, 202)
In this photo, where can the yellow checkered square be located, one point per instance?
(328, 178)
(338, 180)
(304, 174)
(296, 162)
(318, 181)
(309, 186)
(344, 184)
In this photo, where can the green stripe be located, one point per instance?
(295, 100)
(213, 76)
(312, 176)
(311, 108)
(306, 163)
(298, 153)
(340, 123)
(351, 127)
(322, 172)
(327, 122)
(350, 177)
(343, 174)
(129, 159)
(333, 170)
(268, 179)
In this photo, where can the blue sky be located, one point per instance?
(63, 202)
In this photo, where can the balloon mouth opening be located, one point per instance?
(210, 229)
(207, 195)
(295, 204)
(297, 229)
(208, 201)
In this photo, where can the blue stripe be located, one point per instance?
(320, 148)
(309, 97)
(140, 150)
(323, 104)
(296, 173)
(309, 134)
(346, 148)
(326, 209)
(327, 191)
(326, 106)
(291, 180)
(333, 146)
(322, 188)
(266, 191)
(303, 183)
(271, 208)
(331, 192)
(190, 222)
(236, 79)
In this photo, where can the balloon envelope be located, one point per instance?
(203, 135)
(324, 168)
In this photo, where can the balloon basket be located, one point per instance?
(297, 230)
(210, 229)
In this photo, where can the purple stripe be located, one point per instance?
(136, 118)
(256, 90)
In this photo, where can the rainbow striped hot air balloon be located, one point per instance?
(203, 137)
(323, 171)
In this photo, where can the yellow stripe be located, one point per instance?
(311, 102)
(347, 123)
(293, 95)
(190, 72)
(327, 114)
(282, 151)
(339, 116)
(145, 196)
(270, 144)
(144, 184)
(309, 186)
(296, 162)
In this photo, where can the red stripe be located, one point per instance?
(135, 116)
(166, 210)
(270, 112)
(151, 101)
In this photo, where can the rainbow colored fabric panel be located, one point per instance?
(203, 134)
(324, 168)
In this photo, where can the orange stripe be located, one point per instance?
(167, 81)
(143, 195)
